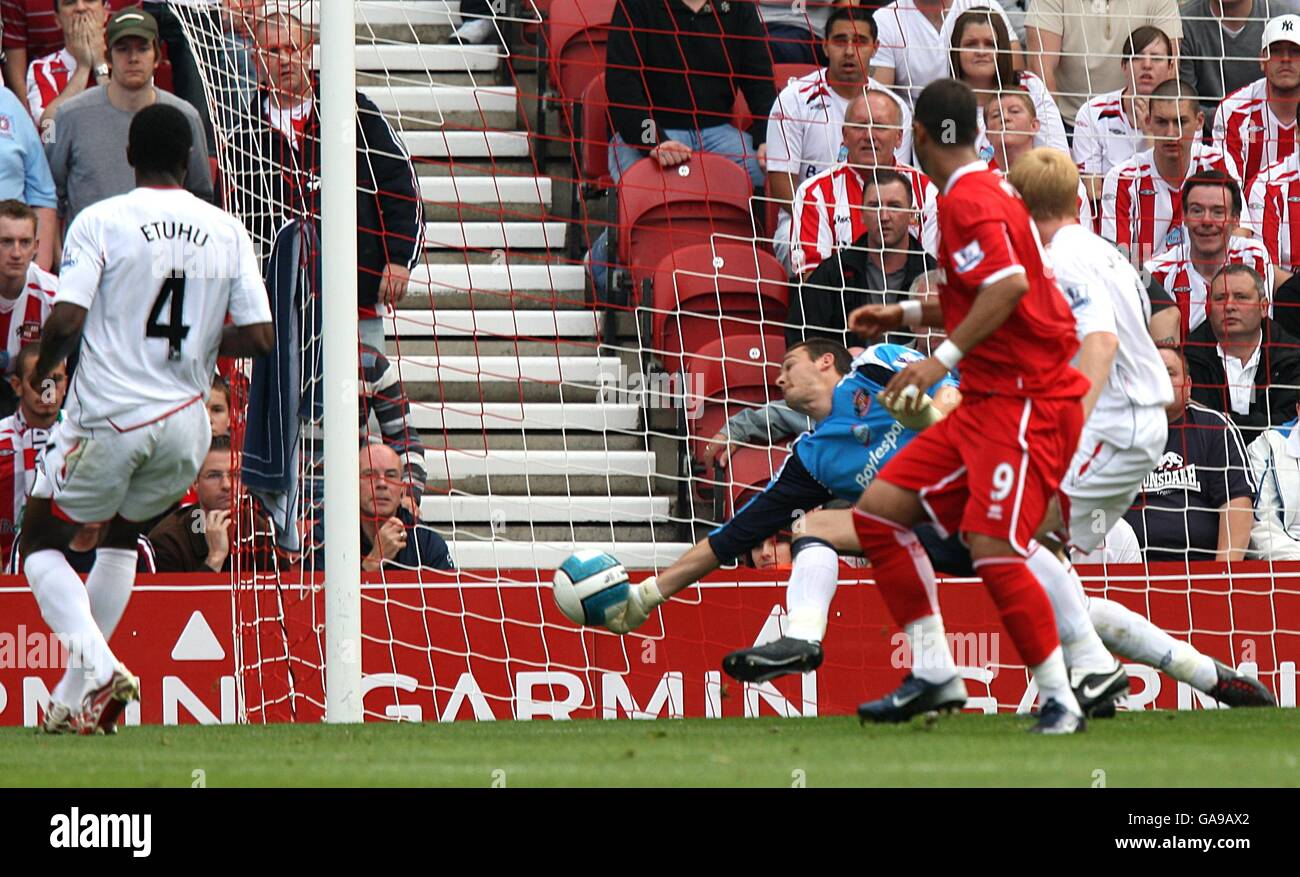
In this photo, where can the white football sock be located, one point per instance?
(109, 588)
(931, 657)
(813, 579)
(1127, 633)
(65, 606)
(1084, 651)
(1054, 682)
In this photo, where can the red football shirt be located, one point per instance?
(986, 235)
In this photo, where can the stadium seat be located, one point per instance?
(664, 210)
(745, 476)
(729, 375)
(706, 292)
(783, 73)
(575, 33)
(591, 159)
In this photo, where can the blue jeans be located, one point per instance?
(724, 140)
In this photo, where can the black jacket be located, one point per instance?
(682, 68)
(270, 182)
(1276, 378)
(424, 549)
(819, 310)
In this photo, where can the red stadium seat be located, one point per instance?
(726, 374)
(662, 210)
(707, 292)
(748, 473)
(594, 134)
(576, 32)
(783, 73)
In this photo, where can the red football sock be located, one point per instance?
(1026, 612)
(900, 567)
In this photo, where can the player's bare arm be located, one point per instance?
(992, 307)
(59, 338)
(257, 339)
(1096, 358)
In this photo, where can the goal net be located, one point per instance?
(537, 402)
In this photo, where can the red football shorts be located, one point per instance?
(992, 465)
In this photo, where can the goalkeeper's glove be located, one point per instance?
(913, 412)
(642, 599)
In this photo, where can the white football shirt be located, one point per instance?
(1106, 294)
(158, 270)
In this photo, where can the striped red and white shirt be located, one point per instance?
(1142, 212)
(20, 446)
(1248, 132)
(1273, 199)
(22, 318)
(828, 214)
(1104, 136)
(1174, 270)
(46, 79)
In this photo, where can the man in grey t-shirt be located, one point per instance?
(87, 149)
(1221, 42)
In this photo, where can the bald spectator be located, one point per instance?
(391, 537)
(829, 211)
(86, 157)
(275, 171)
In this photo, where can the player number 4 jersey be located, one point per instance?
(158, 270)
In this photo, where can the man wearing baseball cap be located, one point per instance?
(87, 151)
(1256, 124)
(1221, 42)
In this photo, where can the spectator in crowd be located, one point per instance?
(1275, 462)
(187, 84)
(669, 97)
(86, 156)
(82, 61)
(1272, 211)
(1240, 362)
(1221, 44)
(275, 173)
(793, 29)
(26, 291)
(198, 537)
(1211, 207)
(886, 257)
(1196, 505)
(828, 207)
(25, 174)
(805, 133)
(391, 536)
(1073, 48)
(982, 58)
(219, 406)
(773, 553)
(1256, 124)
(1111, 128)
(1141, 199)
(916, 39)
(1012, 132)
(31, 30)
(23, 435)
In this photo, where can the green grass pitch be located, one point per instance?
(1203, 748)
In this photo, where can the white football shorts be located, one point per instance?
(1103, 479)
(92, 475)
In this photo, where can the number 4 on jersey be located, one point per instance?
(175, 330)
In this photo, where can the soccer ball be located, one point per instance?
(590, 587)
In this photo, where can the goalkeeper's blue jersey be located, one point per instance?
(845, 451)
